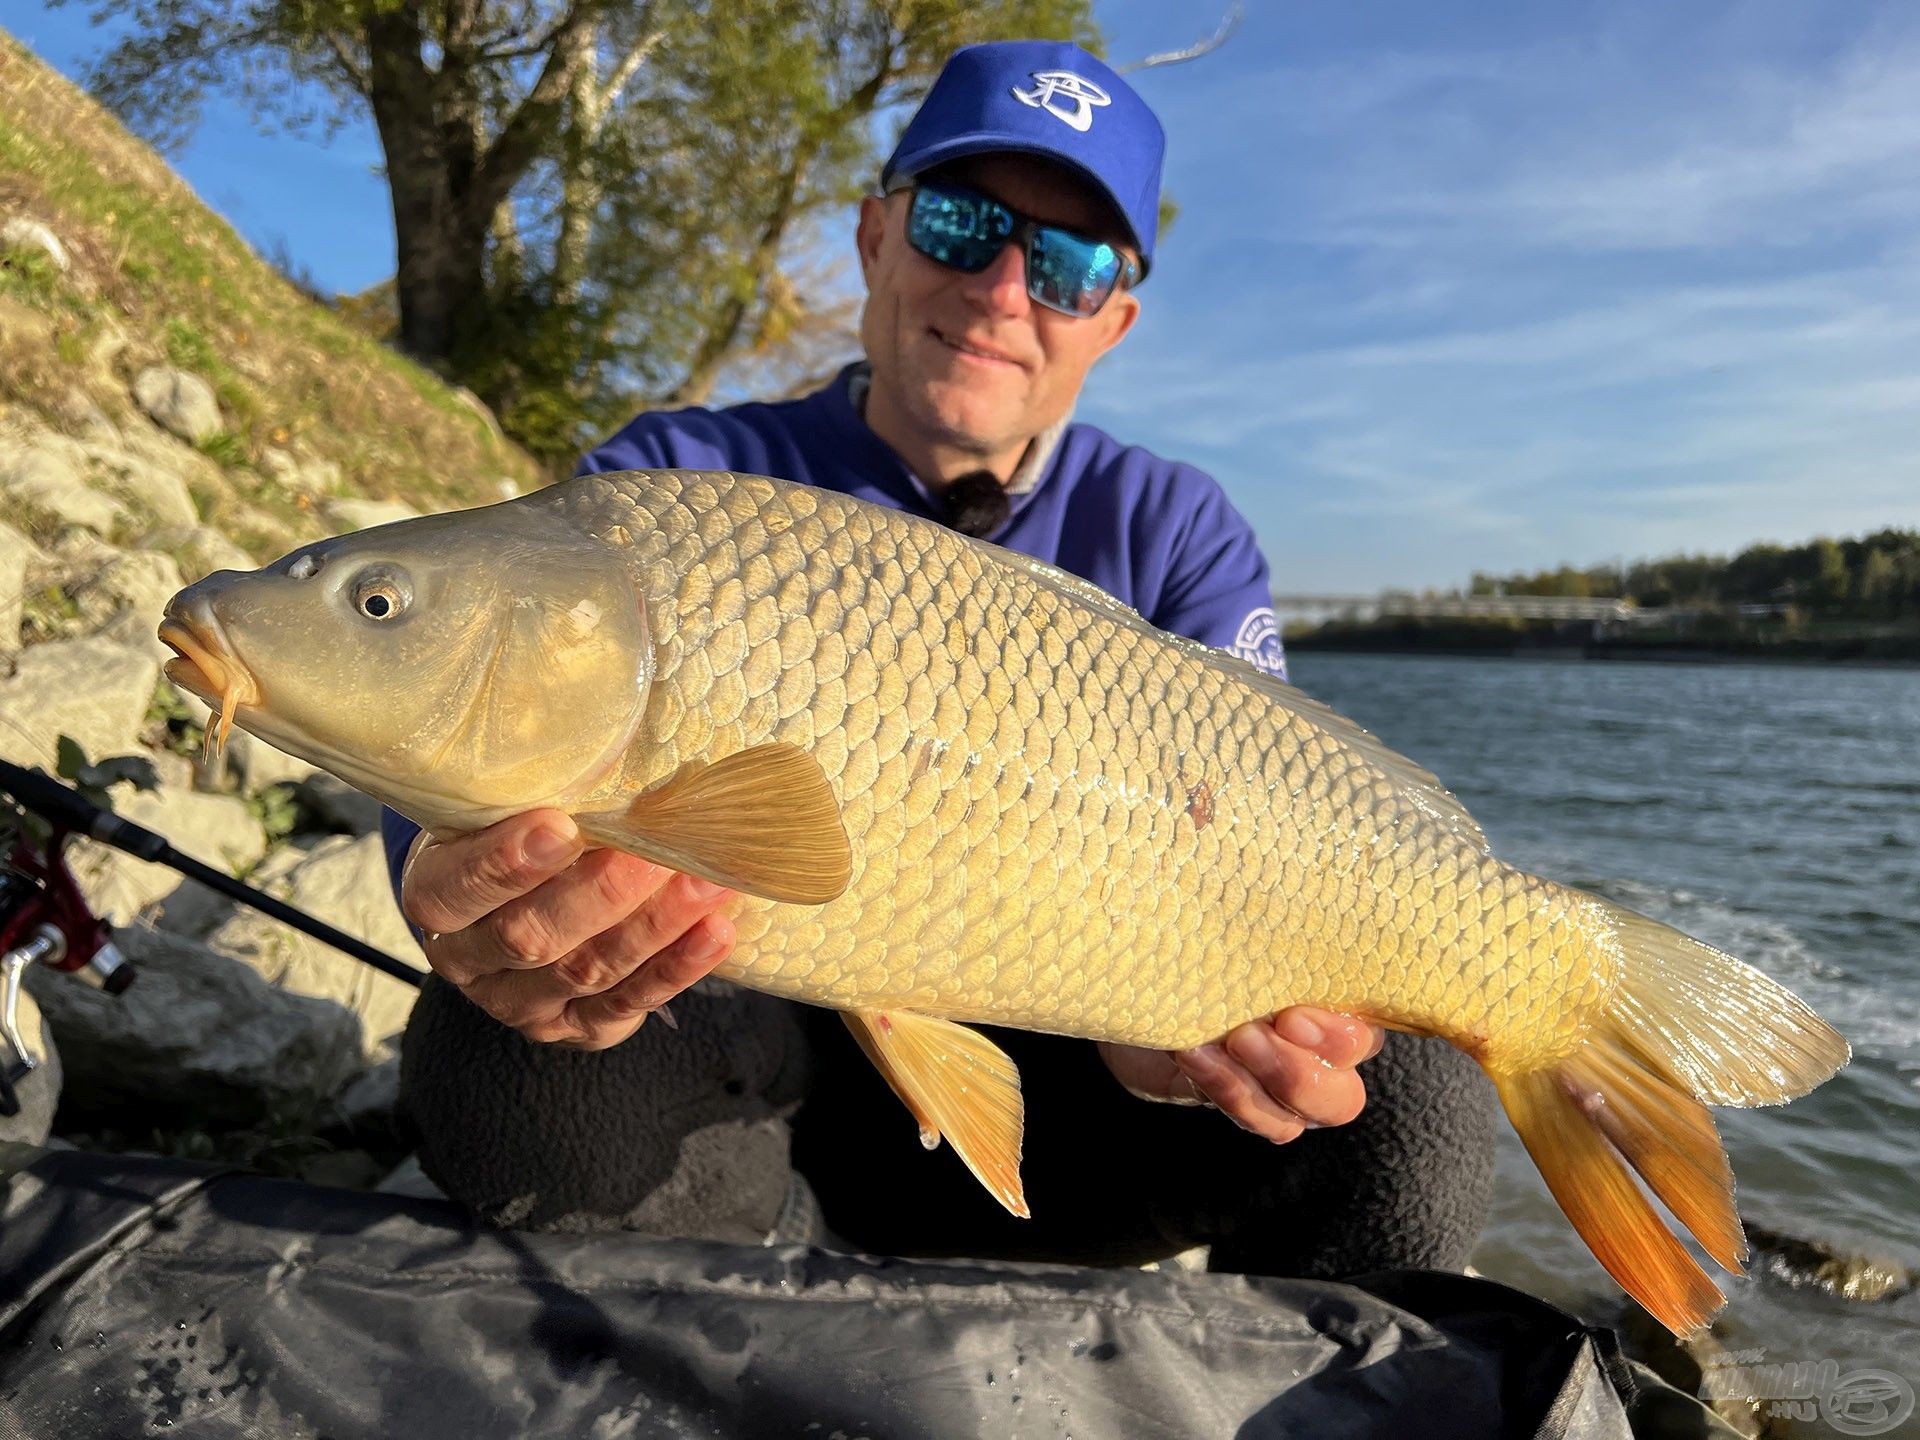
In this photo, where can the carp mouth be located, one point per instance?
(205, 665)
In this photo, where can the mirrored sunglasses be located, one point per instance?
(965, 230)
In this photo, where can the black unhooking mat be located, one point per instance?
(147, 1296)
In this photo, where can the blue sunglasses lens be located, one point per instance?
(964, 231)
(1069, 273)
(1065, 271)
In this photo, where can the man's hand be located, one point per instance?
(560, 943)
(1277, 1078)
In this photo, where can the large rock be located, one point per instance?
(200, 550)
(302, 474)
(180, 401)
(1836, 1269)
(20, 235)
(338, 805)
(82, 416)
(217, 830)
(126, 598)
(39, 1092)
(198, 1038)
(45, 479)
(94, 690)
(17, 552)
(160, 490)
(342, 881)
(260, 765)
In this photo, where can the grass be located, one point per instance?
(150, 259)
(31, 277)
(46, 614)
(226, 449)
(187, 347)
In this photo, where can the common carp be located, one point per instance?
(956, 784)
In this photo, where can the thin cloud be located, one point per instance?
(1574, 299)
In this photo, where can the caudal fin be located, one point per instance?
(1688, 1024)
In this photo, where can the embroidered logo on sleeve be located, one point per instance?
(1258, 643)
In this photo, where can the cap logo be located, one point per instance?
(1065, 96)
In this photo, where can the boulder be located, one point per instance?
(126, 598)
(45, 479)
(82, 415)
(217, 830)
(179, 401)
(350, 514)
(200, 550)
(160, 490)
(338, 805)
(259, 764)
(368, 1111)
(1836, 1269)
(94, 690)
(20, 235)
(198, 1038)
(342, 881)
(321, 477)
(39, 1091)
(17, 552)
(301, 474)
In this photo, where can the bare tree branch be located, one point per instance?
(541, 44)
(629, 66)
(530, 127)
(1228, 24)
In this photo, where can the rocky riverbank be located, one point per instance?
(236, 1020)
(170, 405)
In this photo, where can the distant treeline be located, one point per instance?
(1876, 577)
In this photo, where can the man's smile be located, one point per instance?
(973, 348)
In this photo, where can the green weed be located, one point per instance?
(187, 347)
(227, 450)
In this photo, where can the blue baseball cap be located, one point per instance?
(1047, 98)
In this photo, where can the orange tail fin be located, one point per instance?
(1687, 1025)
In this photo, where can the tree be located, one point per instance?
(594, 201)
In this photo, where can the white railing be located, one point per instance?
(1519, 607)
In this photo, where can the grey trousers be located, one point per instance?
(699, 1131)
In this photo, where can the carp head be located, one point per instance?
(461, 667)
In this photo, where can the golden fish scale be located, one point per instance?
(1061, 821)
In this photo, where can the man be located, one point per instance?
(1015, 219)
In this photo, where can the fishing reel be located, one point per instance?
(44, 920)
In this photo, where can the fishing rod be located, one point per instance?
(44, 917)
(67, 809)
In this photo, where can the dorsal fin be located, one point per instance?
(1420, 784)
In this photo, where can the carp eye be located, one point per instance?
(381, 596)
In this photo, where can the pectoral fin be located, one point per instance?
(958, 1084)
(764, 822)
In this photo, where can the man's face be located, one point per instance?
(969, 361)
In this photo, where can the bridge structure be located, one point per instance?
(1398, 603)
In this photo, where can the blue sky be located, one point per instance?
(1455, 286)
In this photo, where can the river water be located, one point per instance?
(1772, 811)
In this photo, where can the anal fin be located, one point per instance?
(764, 822)
(958, 1084)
